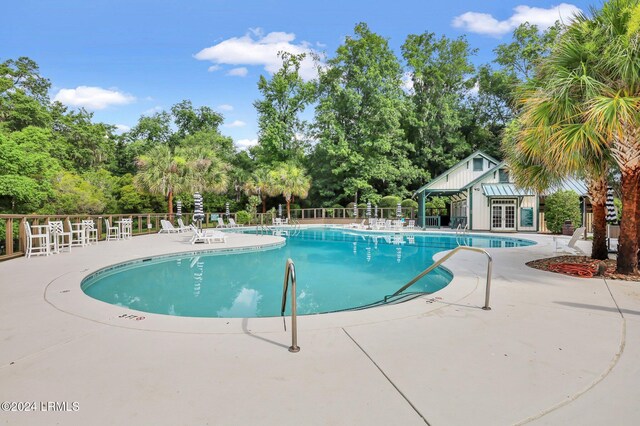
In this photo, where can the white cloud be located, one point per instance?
(225, 107)
(246, 143)
(257, 49)
(93, 97)
(121, 128)
(236, 123)
(152, 111)
(238, 72)
(484, 23)
(213, 68)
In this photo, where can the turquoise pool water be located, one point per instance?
(336, 270)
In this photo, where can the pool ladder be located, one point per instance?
(444, 259)
(290, 273)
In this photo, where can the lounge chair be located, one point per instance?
(233, 224)
(360, 225)
(182, 227)
(207, 236)
(569, 244)
(221, 223)
(167, 227)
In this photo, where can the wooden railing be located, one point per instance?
(12, 238)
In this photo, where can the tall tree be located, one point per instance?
(24, 98)
(281, 135)
(358, 121)
(290, 181)
(440, 77)
(161, 173)
(586, 99)
(261, 183)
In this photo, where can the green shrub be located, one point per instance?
(243, 217)
(561, 206)
(436, 206)
(389, 201)
(409, 204)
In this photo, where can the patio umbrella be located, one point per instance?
(612, 216)
(375, 214)
(226, 209)
(179, 208)
(280, 210)
(355, 210)
(368, 209)
(198, 211)
(398, 211)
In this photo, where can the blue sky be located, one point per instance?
(121, 59)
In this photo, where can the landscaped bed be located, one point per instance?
(581, 266)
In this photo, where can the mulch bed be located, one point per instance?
(581, 266)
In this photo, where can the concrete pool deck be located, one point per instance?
(553, 350)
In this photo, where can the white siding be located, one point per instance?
(461, 175)
(481, 212)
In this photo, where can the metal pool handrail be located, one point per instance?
(290, 272)
(442, 260)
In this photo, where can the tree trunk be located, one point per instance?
(628, 246)
(170, 205)
(288, 209)
(637, 218)
(599, 249)
(264, 205)
(598, 196)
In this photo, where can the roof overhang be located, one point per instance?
(493, 190)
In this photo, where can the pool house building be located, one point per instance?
(483, 197)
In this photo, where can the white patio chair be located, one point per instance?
(221, 223)
(42, 245)
(232, 223)
(207, 236)
(112, 232)
(167, 227)
(569, 244)
(360, 225)
(182, 227)
(60, 238)
(77, 234)
(411, 224)
(91, 233)
(126, 228)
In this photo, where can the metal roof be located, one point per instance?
(569, 184)
(504, 190)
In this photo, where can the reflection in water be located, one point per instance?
(244, 305)
(198, 273)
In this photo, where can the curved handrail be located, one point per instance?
(290, 272)
(442, 260)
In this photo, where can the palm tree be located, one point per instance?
(161, 173)
(585, 102)
(291, 181)
(204, 171)
(261, 184)
(526, 151)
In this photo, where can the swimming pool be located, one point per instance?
(336, 270)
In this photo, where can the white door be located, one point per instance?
(503, 215)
